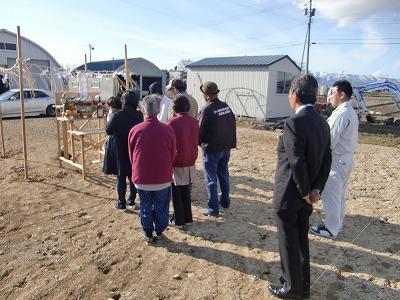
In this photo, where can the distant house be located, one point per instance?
(41, 63)
(254, 86)
(143, 71)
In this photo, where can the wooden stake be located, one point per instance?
(58, 143)
(83, 157)
(3, 153)
(126, 69)
(21, 97)
(85, 63)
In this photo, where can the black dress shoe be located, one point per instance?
(280, 292)
(306, 290)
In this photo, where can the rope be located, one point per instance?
(9, 69)
(340, 254)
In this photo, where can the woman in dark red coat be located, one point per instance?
(186, 129)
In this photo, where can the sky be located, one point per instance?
(348, 36)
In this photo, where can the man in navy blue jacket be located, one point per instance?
(217, 137)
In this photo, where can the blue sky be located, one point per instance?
(165, 32)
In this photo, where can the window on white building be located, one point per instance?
(283, 82)
(11, 47)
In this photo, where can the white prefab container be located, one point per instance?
(254, 86)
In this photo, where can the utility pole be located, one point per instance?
(91, 47)
(310, 12)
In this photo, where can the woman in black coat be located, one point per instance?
(119, 126)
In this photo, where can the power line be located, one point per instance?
(356, 39)
(355, 43)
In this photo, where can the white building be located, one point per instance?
(42, 65)
(142, 71)
(254, 86)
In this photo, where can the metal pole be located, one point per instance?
(310, 13)
(126, 69)
(85, 63)
(21, 97)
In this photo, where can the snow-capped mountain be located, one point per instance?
(327, 79)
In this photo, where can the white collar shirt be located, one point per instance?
(164, 109)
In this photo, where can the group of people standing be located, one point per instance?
(156, 147)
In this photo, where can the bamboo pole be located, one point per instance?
(85, 63)
(3, 147)
(58, 143)
(83, 157)
(126, 69)
(21, 97)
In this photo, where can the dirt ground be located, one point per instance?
(61, 239)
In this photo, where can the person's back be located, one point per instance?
(186, 130)
(124, 120)
(153, 145)
(152, 149)
(194, 107)
(217, 127)
(120, 124)
(312, 131)
(304, 161)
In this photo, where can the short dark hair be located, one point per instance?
(155, 88)
(305, 86)
(179, 84)
(130, 99)
(181, 104)
(114, 102)
(344, 86)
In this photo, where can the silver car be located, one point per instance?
(37, 102)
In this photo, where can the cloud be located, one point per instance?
(348, 11)
(368, 53)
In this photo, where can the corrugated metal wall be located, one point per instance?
(242, 87)
(29, 50)
(250, 91)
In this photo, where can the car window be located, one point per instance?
(39, 94)
(16, 95)
(28, 94)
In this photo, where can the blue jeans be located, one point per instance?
(215, 166)
(154, 207)
(121, 189)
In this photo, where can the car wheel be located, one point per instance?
(50, 111)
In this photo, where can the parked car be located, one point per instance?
(37, 102)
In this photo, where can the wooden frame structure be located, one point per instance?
(70, 135)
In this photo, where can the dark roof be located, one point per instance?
(234, 61)
(104, 65)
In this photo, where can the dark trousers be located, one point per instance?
(293, 228)
(121, 189)
(182, 203)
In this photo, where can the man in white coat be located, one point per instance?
(165, 102)
(343, 124)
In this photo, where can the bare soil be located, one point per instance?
(61, 239)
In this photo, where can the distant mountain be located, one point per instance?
(328, 79)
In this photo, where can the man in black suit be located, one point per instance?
(304, 161)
